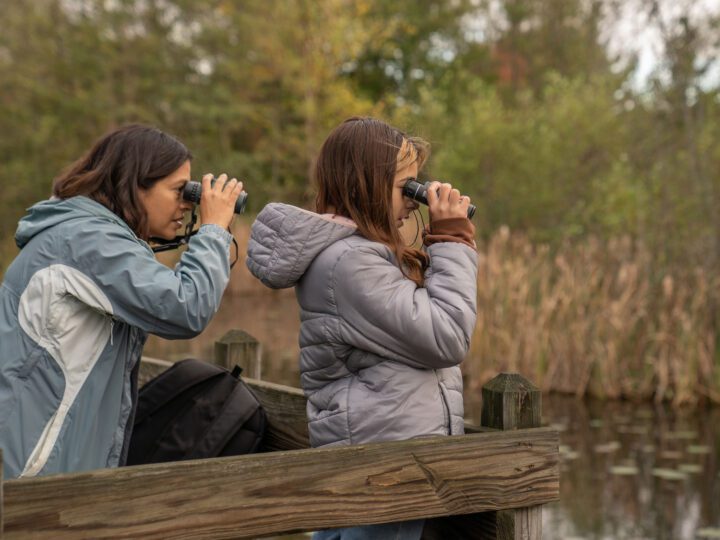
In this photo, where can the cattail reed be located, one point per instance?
(594, 317)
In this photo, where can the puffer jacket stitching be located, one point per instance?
(447, 414)
(353, 380)
(302, 247)
(386, 353)
(333, 286)
(273, 249)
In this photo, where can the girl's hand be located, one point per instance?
(445, 202)
(217, 202)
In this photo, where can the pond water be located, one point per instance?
(628, 470)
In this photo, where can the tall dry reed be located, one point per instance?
(593, 318)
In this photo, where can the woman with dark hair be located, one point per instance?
(384, 326)
(77, 303)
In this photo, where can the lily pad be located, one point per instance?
(624, 470)
(690, 468)
(686, 434)
(669, 474)
(570, 455)
(608, 447)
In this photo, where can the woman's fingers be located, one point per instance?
(444, 201)
(217, 203)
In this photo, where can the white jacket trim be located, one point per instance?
(63, 311)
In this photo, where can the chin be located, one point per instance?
(165, 235)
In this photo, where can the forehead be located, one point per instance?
(180, 174)
(407, 155)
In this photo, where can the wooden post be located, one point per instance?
(512, 402)
(239, 348)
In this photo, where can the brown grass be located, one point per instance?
(590, 319)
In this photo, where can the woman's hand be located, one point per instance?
(445, 202)
(217, 203)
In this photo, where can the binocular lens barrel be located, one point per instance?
(418, 192)
(193, 190)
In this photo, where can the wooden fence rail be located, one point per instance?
(456, 483)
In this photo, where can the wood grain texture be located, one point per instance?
(273, 493)
(510, 401)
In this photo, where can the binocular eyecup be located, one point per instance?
(193, 191)
(418, 192)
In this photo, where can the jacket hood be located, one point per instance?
(285, 239)
(47, 214)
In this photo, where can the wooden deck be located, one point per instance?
(488, 484)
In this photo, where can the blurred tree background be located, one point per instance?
(546, 112)
(528, 108)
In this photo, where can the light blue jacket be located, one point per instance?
(379, 356)
(76, 306)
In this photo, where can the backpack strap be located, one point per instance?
(239, 406)
(185, 374)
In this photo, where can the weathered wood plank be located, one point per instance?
(263, 494)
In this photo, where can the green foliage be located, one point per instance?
(524, 107)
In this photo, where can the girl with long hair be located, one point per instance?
(384, 326)
(77, 303)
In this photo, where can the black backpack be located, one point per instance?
(195, 410)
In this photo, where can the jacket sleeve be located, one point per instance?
(172, 303)
(385, 313)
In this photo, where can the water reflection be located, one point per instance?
(628, 471)
(634, 471)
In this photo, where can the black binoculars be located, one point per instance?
(193, 190)
(418, 192)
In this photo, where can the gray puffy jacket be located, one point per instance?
(379, 355)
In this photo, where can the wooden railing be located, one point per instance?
(486, 484)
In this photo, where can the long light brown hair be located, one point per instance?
(118, 165)
(354, 174)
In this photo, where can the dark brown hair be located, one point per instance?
(355, 172)
(120, 163)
